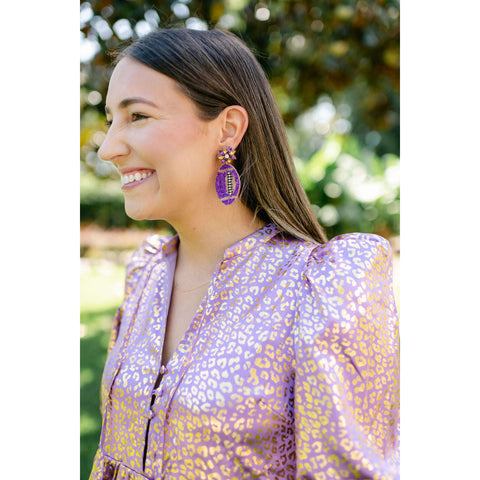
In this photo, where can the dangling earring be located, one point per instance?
(227, 181)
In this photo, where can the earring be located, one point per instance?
(227, 181)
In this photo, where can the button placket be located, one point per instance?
(156, 409)
(157, 393)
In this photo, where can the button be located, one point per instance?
(158, 392)
(163, 369)
(109, 471)
(151, 249)
(151, 414)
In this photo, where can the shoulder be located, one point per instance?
(347, 281)
(349, 254)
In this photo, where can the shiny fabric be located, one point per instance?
(288, 370)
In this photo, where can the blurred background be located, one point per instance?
(334, 69)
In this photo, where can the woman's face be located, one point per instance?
(157, 140)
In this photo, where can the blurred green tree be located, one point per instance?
(334, 69)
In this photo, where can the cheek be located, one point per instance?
(182, 152)
(174, 140)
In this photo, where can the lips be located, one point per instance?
(134, 177)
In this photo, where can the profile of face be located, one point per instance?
(164, 152)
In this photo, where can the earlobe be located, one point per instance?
(234, 125)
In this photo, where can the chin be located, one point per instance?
(136, 217)
(136, 213)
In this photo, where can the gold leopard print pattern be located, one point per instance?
(288, 370)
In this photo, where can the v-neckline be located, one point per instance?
(242, 246)
(171, 267)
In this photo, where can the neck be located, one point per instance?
(204, 238)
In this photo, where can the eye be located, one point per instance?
(138, 116)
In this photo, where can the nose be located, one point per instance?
(113, 147)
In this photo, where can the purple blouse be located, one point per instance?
(288, 370)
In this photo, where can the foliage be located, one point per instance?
(344, 53)
(350, 187)
(354, 194)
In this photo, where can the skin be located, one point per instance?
(161, 132)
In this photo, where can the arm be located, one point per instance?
(347, 383)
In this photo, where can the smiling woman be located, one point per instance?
(161, 146)
(247, 345)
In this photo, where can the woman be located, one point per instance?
(289, 368)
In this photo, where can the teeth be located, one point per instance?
(136, 177)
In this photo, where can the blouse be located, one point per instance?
(289, 369)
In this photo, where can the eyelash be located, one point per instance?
(135, 118)
(138, 116)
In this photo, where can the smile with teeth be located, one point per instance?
(135, 177)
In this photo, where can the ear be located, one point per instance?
(233, 123)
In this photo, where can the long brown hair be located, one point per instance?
(216, 69)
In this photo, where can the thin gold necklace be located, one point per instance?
(194, 288)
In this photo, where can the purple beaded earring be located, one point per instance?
(227, 181)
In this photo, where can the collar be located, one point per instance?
(252, 241)
(244, 246)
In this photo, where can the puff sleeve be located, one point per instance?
(347, 362)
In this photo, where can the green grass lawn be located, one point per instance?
(101, 286)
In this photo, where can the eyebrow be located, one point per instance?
(129, 101)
